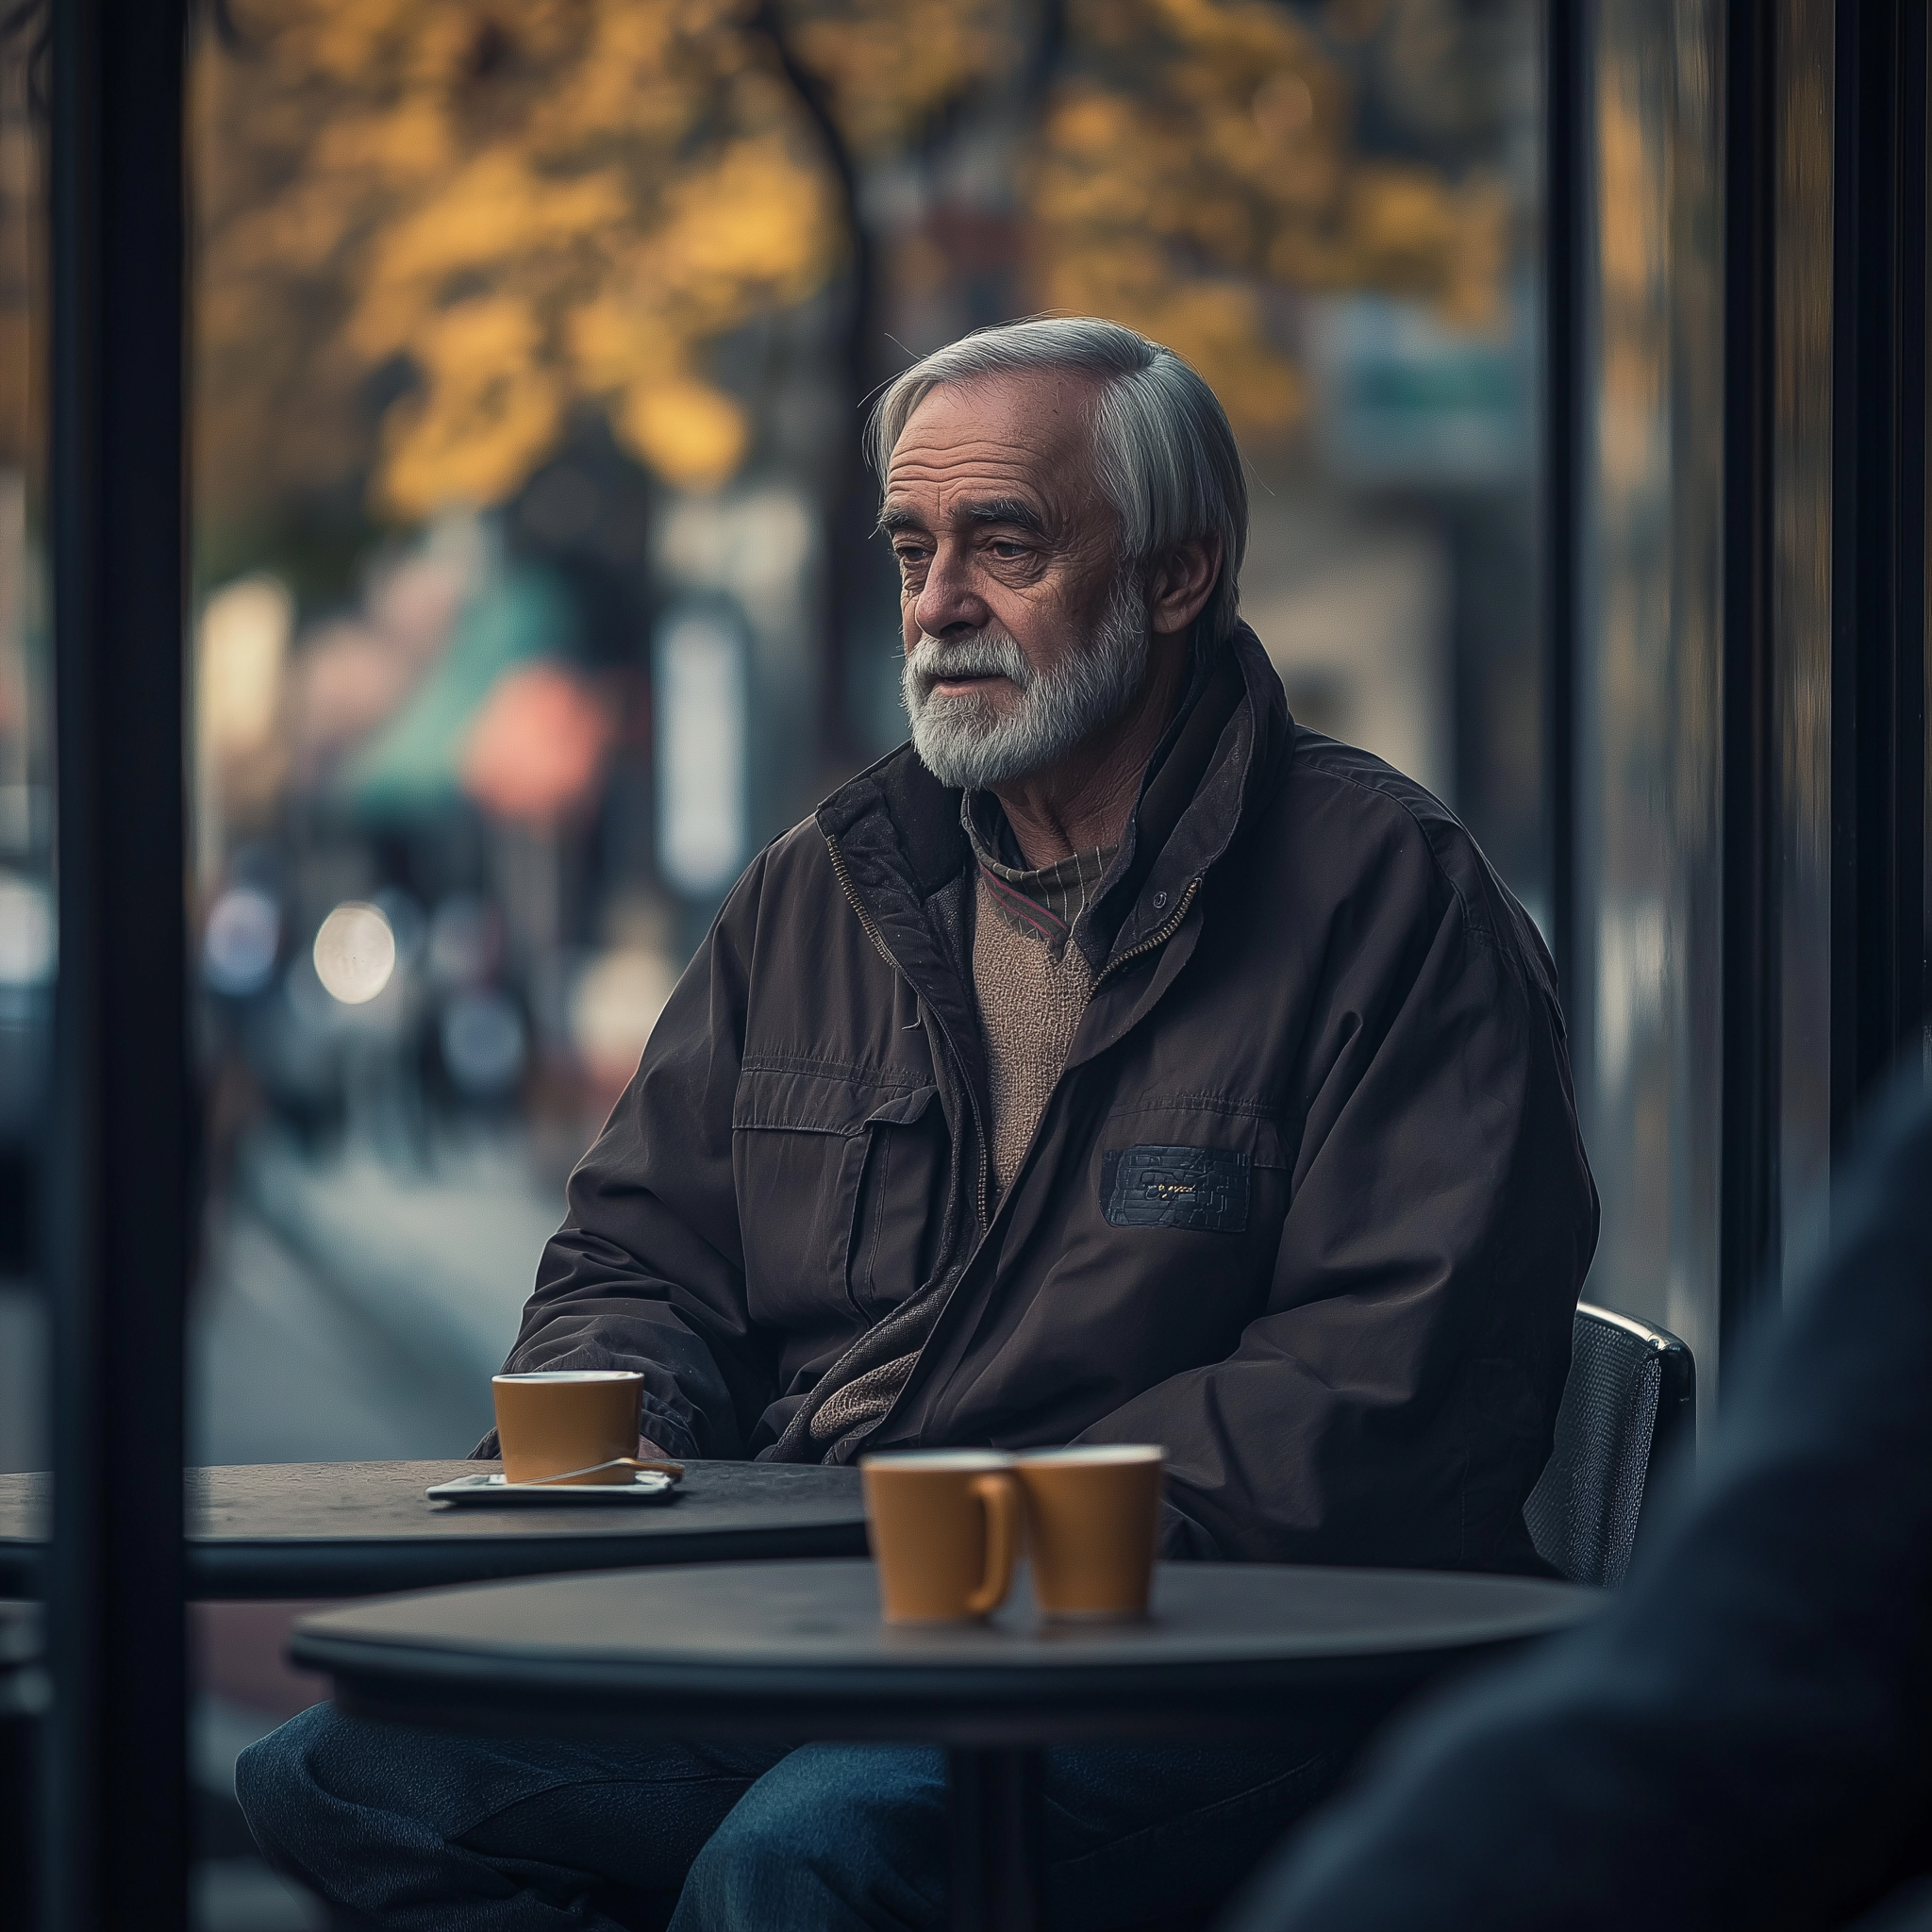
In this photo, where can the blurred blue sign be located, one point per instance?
(1402, 398)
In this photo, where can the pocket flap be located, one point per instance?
(1189, 1120)
(903, 1109)
(820, 1097)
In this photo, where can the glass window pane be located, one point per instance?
(1802, 606)
(529, 363)
(534, 583)
(1647, 1032)
(26, 907)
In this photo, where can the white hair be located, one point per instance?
(1165, 455)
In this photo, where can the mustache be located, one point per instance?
(987, 654)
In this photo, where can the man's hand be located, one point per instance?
(649, 1452)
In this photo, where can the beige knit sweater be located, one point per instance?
(1032, 984)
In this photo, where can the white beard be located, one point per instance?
(964, 741)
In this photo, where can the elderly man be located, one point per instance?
(1116, 1062)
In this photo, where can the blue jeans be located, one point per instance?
(421, 1831)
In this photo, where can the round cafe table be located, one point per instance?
(798, 1651)
(332, 1529)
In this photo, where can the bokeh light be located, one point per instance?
(616, 1004)
(239, 942)
(355, 953)
(483, 1048)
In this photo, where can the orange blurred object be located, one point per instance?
(536, 751)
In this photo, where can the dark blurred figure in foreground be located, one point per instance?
(1744, 1737)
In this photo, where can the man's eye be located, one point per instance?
(1004, 548)
(909, 558)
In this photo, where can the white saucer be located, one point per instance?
(646, 1486)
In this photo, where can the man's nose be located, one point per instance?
(947, 601)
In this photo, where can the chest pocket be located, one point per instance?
(898, 1196)
(840, 1177)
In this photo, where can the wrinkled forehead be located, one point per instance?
(1023, 439)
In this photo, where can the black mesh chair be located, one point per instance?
(1630, 1400)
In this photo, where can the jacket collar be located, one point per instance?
(899, 831)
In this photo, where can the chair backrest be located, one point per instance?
(1631, 1398)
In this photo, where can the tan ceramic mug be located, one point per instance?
(944, 1528)
(555, 1420)
(1092, 1516)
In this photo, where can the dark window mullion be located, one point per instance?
(1568, 29)
(120, 1200)
(1878, 428)
(1749, 1207)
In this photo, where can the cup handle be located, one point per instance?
(1000, 1497)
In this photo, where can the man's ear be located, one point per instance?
(1181, 584)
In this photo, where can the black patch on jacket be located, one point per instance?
(1201, 1188)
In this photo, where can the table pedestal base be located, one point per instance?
(993, 1863)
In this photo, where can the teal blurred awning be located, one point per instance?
(412, 764)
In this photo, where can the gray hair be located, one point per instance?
(1162, 446)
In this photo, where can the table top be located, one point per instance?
(317, 1529)
(799, 1649)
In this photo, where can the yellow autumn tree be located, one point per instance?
(510, 214)
(1201, 153)
(888, 68)
(431, 232)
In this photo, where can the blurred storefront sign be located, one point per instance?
(241, 651)
(1404, 399)
(751, 557)
(1354, 609)
(698, 674)
(27, 932)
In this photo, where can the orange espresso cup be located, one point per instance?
(555, 1420)
(1093, 1518)
(944, 1528)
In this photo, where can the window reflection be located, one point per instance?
(531, 599)
(534, 588)
(1645, 1031)
(1802, 561)
(27, 950)
(534, 582)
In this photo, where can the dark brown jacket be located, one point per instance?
(1308, 1205)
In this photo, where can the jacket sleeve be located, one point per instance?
(647, 1271)
(1396, 1399)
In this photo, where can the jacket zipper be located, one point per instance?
(865, 918)
(1153, 940)
(870, 926)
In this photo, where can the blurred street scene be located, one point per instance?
(536, 585)
(535, 581)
